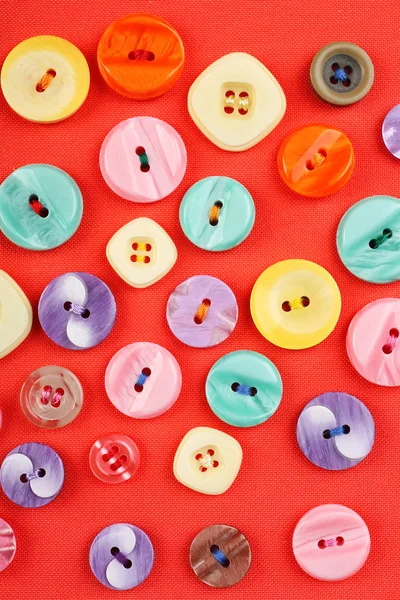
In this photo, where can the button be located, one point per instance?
(236, 102)
(207, 460)
(220, 556)
(391, 131)
(77, 310)
(7, 545)
(244, 388)
(143, 380)
(143, 159)
(15, 315)
(295, 304)
(316, 160)
(121, 556)
(45, 79)
(141, 252)
(331, 542)
(140, 56)
(114, 458)
(40, 207)
(217, 213)
(368, 239)
(32, 475)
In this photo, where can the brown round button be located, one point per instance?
(220, 556)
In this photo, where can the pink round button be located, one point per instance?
(114, 458)
(7, 545)
(143, 380)
(373, 343)
(331, 542)
(143, 159)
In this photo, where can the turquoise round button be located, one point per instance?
(217, 213)
(40, 207)
(368, 239)
(244, 388)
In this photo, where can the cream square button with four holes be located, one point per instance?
(15, 315)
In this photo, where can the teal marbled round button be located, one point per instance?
(244, 388)
(40, 207)
(368, 239)
(217, 213)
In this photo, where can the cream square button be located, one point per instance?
(15, 315)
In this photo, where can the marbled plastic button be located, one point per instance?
(141, 252)
(32, 475)
(236, 102)
(143, 380)
(220, 556)
(244, 388)
(391, 131)
(77, 310)
(114, 458)
(295, 304)
(15, 315)
(7, 545)
(217, 213)
(316, 160)
(143, 159)
(335, 431)
(40, 207)
(202, 311)
(331, 542)
(207, 460)
(121, 556)
(45, 79)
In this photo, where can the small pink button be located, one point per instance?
(7, 545)
(331, 542)
(114, 458)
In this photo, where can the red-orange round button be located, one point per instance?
(114, 458)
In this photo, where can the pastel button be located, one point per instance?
(15, 315)
(202, 311)
(207, 460)
(7, 545)
(77, 311)
(331, 542)
(40, 207)
(143, 159)
(217, 213)
(143, 380)
(141, 252)
(244, 388)
(391, 131)
(236, 102)
(114, 458)
(295, 304)
(45, 79)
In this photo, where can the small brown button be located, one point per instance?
(220, 556)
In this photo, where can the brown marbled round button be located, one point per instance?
(220, 556)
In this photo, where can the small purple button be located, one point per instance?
(202, 311)
(391, 131)
(335, 431)
(77, 310)
(121, 556)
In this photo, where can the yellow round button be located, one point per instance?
(45, 79)
(295, 304)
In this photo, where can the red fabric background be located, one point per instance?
(276, 484)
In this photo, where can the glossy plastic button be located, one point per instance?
(391, 131)
(121, 556)
(295, 304)
(143, 159)
(244, 388)
(77, 311)
(40, 207)
(202, 311)
(140, 56)
(316, 160)
(114, 458)
(45, 79)
(331, 542)
(217, 213)
(7, 545)
(15, 315)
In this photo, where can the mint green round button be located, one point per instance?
(40, 207)
(217, 213)
(244, 388)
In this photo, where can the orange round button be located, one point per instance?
(140, 56)
(316, 160)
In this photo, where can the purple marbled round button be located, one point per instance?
(32, 475)
(77, 310)
(202, 311)
(391, 131)
(121, 556)
(335, 431)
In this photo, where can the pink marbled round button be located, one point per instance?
(143, 380)
(143, 159)
(331, 542)
(7, 545)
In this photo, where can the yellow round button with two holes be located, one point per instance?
(45, 79)
(295, 304)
